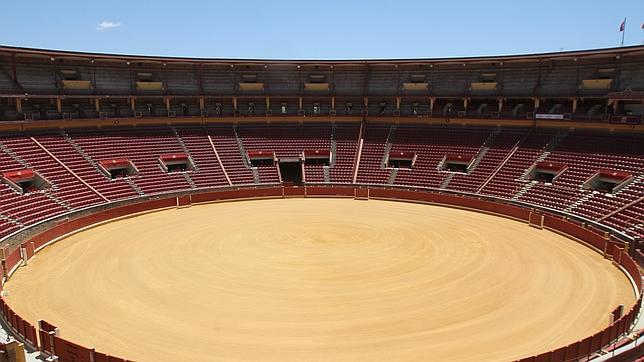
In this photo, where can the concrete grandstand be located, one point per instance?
(556, 140)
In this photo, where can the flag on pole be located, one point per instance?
(622, 29)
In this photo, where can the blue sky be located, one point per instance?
(330, 29)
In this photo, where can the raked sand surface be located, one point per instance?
(319, 280)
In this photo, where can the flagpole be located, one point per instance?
(623, 31)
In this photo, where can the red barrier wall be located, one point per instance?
(22, 327)
(47, 327)
(184, 200)
(30, 334)
(639, 256)
(71, 352)
(29, 249)
(102, 357)
(329, 191)
(45, 337)
(454, 200)
(294, 191)
(572, 351)
(535, 219)
(584, 346)
(45, 345)
(237, 194)
(13, 259)
(617, 253)
(72, 225)
(632, 269)
(362, 193)
(575, 230)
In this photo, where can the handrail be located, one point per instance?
(499, 167)
(221, 164)
(68, 169)
(621, 209)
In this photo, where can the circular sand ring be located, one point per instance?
(320, 279)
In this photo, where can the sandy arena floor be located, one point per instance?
(319, 279)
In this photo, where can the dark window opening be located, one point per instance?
(605, 186)
(455, 167)
(382, 108)
(291, 173)
(457, 163)
(258, 162)
(546, 172)
(174, 163)
(397, 163)
(608, 181)
(25, 181)
(544, 176)
(118, 173)
(180, 167)
(29, 186)
(118, 168)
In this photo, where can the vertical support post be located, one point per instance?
(235, 104)
(202, 104)
(465, 100)
(5, 272)
(51, 335)
(18, 105)
(500, 104)
(97, 104)
(167, 103)
(4, 252)
(333, 102)
(398, 104)
(133, 104)
(300, 104)
(59, 105)
(23, 255)
(13, 68)
(537, 103)
(574, 105)
(432, 101)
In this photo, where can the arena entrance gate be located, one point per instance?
(291, 171)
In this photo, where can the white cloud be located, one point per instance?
(103, 25)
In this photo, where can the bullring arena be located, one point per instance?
(461, 209)
(320, 279)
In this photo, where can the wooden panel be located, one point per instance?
(316, 86)
(415, 86)
(77, 84)
(596, 83)
(145, 86)
(483, 86)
